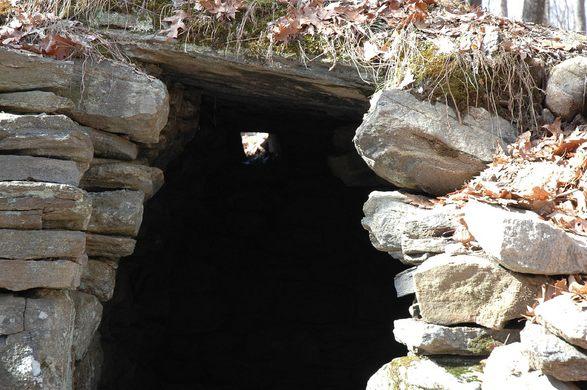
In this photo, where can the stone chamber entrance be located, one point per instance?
(254, 274)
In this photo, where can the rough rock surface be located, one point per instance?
(404, 282)
(552, 355)
(116, 212)
(523, 242)
(565, 91)
(420, 373)
(24, 71)
(565, 318)
(45, 136)
(107, 145)
(27, 205)
(40, 169)
(430, 339)
(20, 275)
(108, 96)
(11, 314)
(417, 145)
(88, 370)
(88, 313)
(508, 368)
(284, 87)
(98, 279)
(34, 102)
(472, 289)
(99, 245)
(119, 99)
(405, 231)
(40, 356)
(109, 174)
(41, 244)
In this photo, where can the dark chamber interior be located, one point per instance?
(252, 276)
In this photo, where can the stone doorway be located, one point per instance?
(254, 276)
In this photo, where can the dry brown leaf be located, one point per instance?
(176, 24)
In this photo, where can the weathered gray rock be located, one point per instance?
(108, 174)
(279, 87)
(566, 88)
(29, 205)
(88, 313)
(107, 145)
(107, 95)
(98, 279)
(430, 339)
(405, 231)
(552, 355)
(45, 136)
(88, 370)
(565, 318)
(24, 71)
(404, 282)
(20, 275)
(384, 215)
(472, 289)
(422, 146)
(116, 212)
(40, 356)
(20, 367)
(421, 373)
(40, 169)
(523, 242)
(119, 99)
(34, 102)
(99, 245)
(11, 314)
(41, 244)
(508, 368)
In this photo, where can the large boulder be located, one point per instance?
(418, 145)
(88, 313)
(45, 136)
(98, 279)
(472, 289)
(88, 371)
(107, 95)
(20, 275)
(34, 102)
(100, 245)
(565, 91)
(430, 339)
(41, 244)
(116, 212)
(40, 169)
(35, 206)
(110, 174)
(24, 71)
(564, 317)
(397, 225)
(508, 368)
(108, 145)
(120, 99)
(552, 355)
(416, 372)
(523, 242)
(40, 356)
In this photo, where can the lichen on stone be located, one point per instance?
(464, 372)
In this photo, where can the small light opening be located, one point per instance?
(257, 146)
